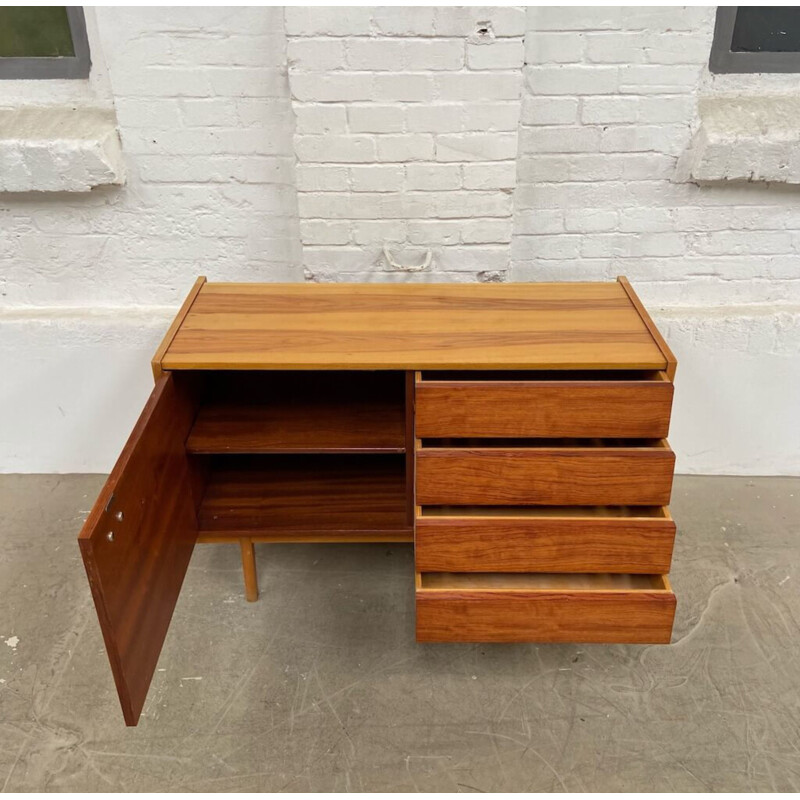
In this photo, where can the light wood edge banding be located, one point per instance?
(173, 328)
(669, 356)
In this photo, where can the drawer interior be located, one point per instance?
(478, 581)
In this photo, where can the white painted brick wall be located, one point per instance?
(408, 133)
(610, 104)
(415, 118)
(202, 103)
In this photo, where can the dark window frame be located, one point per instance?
(71, 67)
(724, 60)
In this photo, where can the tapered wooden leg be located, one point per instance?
(249, 569)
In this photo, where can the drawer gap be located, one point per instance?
(431, 376)
(544, 581)
(591, 512)
(560, 442)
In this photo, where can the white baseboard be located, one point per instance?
(74, 381)
(737, 390)
(73, 386)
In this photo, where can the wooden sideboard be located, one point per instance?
(514, 432)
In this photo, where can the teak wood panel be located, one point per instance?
(574, 543)
(173, 328)
(672, 362)
(410, 449)
(349, 427)
(531, 408)
(297, 412)
(136, 564)
(461, 614)
(325, 494)
(580, 476)
(413, 326)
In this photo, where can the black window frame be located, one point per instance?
(723, 60)
(70, 67)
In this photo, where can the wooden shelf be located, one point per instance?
(306, 498)
(302, 413)
(309, 426)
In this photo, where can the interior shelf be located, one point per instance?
(326, 496)
(301, 412)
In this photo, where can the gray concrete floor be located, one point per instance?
(320, 685)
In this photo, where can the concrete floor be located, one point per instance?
(320, 685)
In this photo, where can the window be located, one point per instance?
(756, 39)
(43, 42)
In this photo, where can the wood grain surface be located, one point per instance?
(627, 615)
(531, 408)
(173, 328)
(410, 448)
(300, 412)
(136, 576)
(583, 476)
(531, 543)
(413, 326)
(248, 495)
(672, 362)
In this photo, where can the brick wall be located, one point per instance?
(406, 136)
(416, 130)
(610, 104)
(201, 99)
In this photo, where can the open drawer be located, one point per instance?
(543, 472)
(626, 539)
(546, 404)
(634, 609)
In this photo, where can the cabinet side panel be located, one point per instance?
(173, 328)
(672, 362)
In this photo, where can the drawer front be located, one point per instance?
(639, 408)
(544, 544)
(634, 616)
(579, 476)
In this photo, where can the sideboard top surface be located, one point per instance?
(412, 326)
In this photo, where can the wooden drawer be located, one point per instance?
(544, 539)
(635, 609)
(605, 473)
(637, 407)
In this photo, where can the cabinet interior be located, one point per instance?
(328, 455)
(313, 455)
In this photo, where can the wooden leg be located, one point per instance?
(249, 569)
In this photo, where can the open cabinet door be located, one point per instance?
(138, 539)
